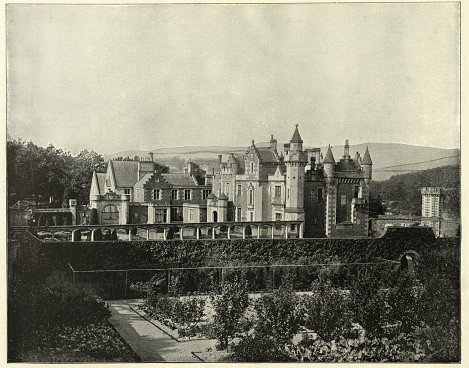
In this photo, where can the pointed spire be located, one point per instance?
(367, 158)
(296, 136)
(329, 159)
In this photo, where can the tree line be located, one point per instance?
(402, 194)
(49, 174)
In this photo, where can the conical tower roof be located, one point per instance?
(296, 136)
(367, 158)
(329, 159)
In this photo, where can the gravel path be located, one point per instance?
(151, 343)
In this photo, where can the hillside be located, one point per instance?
(388, 158)
(402, 192)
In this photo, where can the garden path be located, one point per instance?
(150, 343)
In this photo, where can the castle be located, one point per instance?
(329, 197)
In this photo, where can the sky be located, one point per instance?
(115, 78)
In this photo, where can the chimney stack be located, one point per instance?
(346, 150)
(273, 143)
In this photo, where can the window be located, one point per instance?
(278, 190)
(156, 194)
(251, 196)
(252, 216)
(227, 189)
(278, 217)
(288, 193)
(252, 167)
(239, 190)
(126, 191)
(174, 194)
(206, 193)
(176, 214)
(160, 215)
(187, 194)
(238, 215)
(356, 189)
(191, 214)
(320, 194)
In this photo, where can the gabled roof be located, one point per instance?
(101, 177)
(143, 180)
(179, 180)
(267, 154)
(296, 136)
(212, 196)
(367, 158)
(329, 159)
(223, 197)
(125, 173)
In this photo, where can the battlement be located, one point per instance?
(431, 190)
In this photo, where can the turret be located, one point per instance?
(329, 164)
(222, 208)
(296, 143)
(232, 164)
(367, 166)
(295, 161)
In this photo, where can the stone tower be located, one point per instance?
(295, 162)
(331, 191)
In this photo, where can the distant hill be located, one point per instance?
(402, 192)
(388, 158)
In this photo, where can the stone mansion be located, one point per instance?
(266, 184)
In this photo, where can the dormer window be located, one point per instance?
(252, 167)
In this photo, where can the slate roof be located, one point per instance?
(223, 196)
(347, 165)
(367, 158)
(267, 155)
(125, 173)
(296, 136)
(143, 180)
(101, 182)
(329, 159)
(179, 180)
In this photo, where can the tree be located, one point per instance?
(278, 316)
(326, 310)
(229, 306)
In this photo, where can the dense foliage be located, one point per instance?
(402, 192)
(49, 174)
(362, 313)
(51, 319)
(229, 303)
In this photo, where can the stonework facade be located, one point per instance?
(296, 184)
(265, 184)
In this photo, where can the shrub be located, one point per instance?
(260, 348)
(277, 316)
(326, 311)
(229, 306)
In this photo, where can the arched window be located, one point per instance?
(251, 196)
